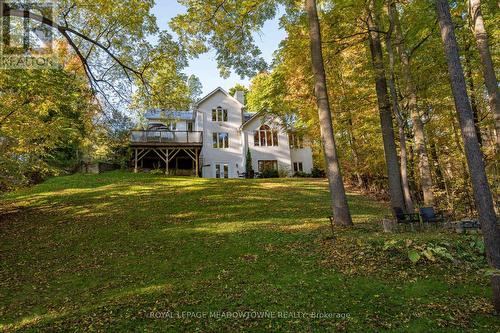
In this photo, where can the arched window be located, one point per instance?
(265, 136)
(219, 114)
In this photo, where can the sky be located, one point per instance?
(205, 67)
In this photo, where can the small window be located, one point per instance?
(220, 140)
(298, 167)
(219, 114)
(190, 127)
(264, 136)
(296, 141)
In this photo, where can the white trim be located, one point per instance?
(213, 92)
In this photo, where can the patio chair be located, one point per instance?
(429, 216)
(405, 218)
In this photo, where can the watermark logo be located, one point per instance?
(27, 37)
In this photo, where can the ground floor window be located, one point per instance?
(268, 165)
(298, 167)
(221, 170)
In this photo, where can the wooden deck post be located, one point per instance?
(196, 162)
(166, 167)
(135, 165)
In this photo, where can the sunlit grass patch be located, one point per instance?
(105, 251)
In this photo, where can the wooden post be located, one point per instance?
(196, 162)
(166, 167)
(135, 165)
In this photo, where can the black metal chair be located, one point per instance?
(431, 217)
(405, 218)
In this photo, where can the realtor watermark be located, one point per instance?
(247, 315)
(27, 34)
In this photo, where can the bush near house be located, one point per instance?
(269, 173)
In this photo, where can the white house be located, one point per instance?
(212, 140)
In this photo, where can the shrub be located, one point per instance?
(283, 173)
(301, 174)
(157, 171)
(269, 173)
(318, 173)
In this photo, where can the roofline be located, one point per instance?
(213, 92)
(257, 114)
(193, 114)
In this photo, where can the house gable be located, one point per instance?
(217, 90)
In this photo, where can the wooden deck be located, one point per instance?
(148, 138)
(166, 145)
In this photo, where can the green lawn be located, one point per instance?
(104, 252)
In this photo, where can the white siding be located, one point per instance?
(239, 139)
(280, 153)
(303, 155)
(232, 155)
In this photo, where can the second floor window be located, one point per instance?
(219, 114)
(265, 136)
(220, 140)
(296, 141)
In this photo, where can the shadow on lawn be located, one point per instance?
(107, 255)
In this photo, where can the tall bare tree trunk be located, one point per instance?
(399, 117)
(351, 136)
(355, 154)
(337, 191)
(480, 186)
(4, 13)
(490, 79)
(418, 127)
(472, 92)
(384, 106)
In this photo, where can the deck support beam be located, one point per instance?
(135, 165)
(166, 155)
(167, 151)
(196, 163)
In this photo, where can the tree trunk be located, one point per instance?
(490, 79)
(353, 145)
(6, 24)
(437, 165)
(480, 186)
(470, 82)
(339, 200)
(465, 172)
(399, 117)
(391, 156)
(418, 127)
(351, 136)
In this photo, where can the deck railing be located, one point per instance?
(149, 136)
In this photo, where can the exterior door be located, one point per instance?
(221, 170)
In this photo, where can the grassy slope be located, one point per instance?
(103, 251)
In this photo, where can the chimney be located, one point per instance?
(240, 96)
